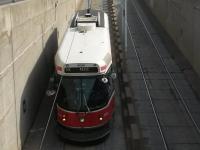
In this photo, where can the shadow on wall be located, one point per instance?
(36, 86)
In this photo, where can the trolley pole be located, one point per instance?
(89, 6)
(125, 25)
(122, 18)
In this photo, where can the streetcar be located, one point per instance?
(85, 100)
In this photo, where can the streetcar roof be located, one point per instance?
(89, 47)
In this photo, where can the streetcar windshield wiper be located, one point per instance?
(85, 102)
(79, 99)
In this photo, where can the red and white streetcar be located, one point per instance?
(86, 98)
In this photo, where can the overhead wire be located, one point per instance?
(53, 104)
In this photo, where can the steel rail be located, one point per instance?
(167, 70)
(147, 88)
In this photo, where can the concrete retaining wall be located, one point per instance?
(181, 19)
(30, 32)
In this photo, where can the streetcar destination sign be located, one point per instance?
(81, 69)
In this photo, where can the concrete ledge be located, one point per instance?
(125, 78)
(131, 110)
(121, 56)
(135, 132)
(128, 92)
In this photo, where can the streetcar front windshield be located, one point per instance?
(84, 94)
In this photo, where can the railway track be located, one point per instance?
(107, 6)
(181, 108)
(43, 134)
(116, 135)
(117, 138)
(149, 103)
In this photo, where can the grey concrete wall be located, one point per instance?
(30, 32)
(181, 19)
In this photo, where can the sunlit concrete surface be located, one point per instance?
(30, 32)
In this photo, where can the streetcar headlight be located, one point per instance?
(100, 118)
(82, 120)
(64, 119)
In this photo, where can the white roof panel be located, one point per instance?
(92, 46)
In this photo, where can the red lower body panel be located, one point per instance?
(85, 126)
(86, 119)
